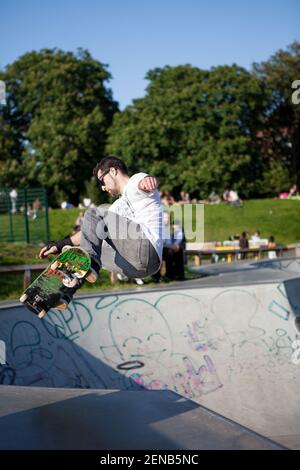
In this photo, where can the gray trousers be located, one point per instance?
(118, 244)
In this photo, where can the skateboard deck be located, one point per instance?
(57, 283)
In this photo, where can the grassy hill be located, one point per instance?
(280, 218)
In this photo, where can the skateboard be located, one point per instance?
(54, 288)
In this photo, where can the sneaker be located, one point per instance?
(139, 282)
(122, 277)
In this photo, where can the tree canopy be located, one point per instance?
(55, 122)
(196, 130)
(281, 131)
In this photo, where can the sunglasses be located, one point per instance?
(100, 179)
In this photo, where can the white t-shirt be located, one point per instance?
(143, 208)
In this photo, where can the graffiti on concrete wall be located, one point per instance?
(181, 340)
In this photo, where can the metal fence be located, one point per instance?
(24, 215)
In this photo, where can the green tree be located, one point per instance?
(56, 120)
(194, 129)
(281, 135)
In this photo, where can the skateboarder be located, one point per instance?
(125, 238)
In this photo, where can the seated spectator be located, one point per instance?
(184, 198)
(272, 244)
(293, 191)
(256, 238)
(226, 195)
(243, 244)
(213, 198)
(167, 198)
(232, 198)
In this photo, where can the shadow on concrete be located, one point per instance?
(108, 420)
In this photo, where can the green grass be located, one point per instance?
(18, 253)
(62, 222)
(279, 218)
(13, 227)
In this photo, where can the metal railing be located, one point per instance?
(24, 215)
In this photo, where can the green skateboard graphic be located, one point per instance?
(58, 282)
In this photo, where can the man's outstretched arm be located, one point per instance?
(48, 250)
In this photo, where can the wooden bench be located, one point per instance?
(231, 253)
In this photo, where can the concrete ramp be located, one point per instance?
(279, 266)
(47, 418)
(228, 343)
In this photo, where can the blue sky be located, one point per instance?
(134, 36)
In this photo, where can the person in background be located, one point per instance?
(184, 198)
(173, 251)
(13, 197)
(175, 270)
(232, 198)
(167, 199)
(167, 242)
(293, 191)
(243, 244)
(36, 206)
(256, 237)
(272, 244)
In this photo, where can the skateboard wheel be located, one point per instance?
(42, 313)
(23, 298)
(54, 265)
(66, 247)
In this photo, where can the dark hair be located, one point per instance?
(110, 162)
(271, 239)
